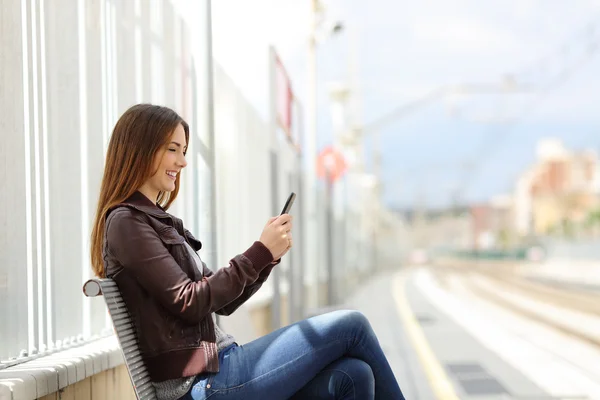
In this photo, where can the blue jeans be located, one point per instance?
(330, 356)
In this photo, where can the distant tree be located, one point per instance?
(504, 238)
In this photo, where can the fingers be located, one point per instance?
(277, 235)
(287, 235)
(284, 252)
(283, 219)
(270, 221)
(290, 241)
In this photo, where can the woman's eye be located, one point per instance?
(173, 150)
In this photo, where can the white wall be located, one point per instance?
(67, 71)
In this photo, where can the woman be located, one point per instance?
(172, 296)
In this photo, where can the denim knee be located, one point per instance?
(353, 318)
(355, 379)
(359, 370)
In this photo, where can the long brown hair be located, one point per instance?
(141, 132)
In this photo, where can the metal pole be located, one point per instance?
(291, 272)
(301, 305)
(310, 186)
(209, 125)
(300, 226)
(210, 121)
(275, 202)
(330, 242)
(377, 189)
(276, 273)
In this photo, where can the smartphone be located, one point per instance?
(288, 204)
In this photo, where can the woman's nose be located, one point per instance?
(182, 162)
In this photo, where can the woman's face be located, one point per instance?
(168, 164)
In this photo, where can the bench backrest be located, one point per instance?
(125, 334)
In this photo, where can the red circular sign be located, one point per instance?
(331, 164)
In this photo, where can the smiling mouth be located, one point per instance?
(172, 175)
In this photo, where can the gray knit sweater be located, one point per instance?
(174, 389)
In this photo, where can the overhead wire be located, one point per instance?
(493, 141)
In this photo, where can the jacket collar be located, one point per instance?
(140, 202)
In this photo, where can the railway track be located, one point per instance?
(504, 287)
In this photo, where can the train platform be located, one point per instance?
(445, 340)
(567, 273)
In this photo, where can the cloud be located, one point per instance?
(463, 35)
(526, 9)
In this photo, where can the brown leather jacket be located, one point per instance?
(168, 299)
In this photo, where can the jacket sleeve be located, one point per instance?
(248, 290)
(139, 249)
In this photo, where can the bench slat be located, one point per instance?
(144, 383)
(146, 390)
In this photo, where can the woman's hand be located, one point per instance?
(277, 235)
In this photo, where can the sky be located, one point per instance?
(459, 147)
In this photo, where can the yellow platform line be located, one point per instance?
(438, 380)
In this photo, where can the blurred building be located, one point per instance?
(492, 224)
(436, 231)
(560, 188)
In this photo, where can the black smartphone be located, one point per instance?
(288, 204)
